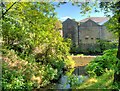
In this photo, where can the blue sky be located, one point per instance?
(69, 11)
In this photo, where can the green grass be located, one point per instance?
(103, 82)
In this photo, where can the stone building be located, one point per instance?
(87, 31)
(70, 30)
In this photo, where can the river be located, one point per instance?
(75, 76)
(70, 81)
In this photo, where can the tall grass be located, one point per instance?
(102, 82)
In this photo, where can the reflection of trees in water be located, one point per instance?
(80, 70)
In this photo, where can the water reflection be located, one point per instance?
(72, 78)
(63, 83)
(80, 70)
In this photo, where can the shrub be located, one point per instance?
(102, 63)
(106, 45)
(36, 41)
(99, 47)
(69, 62)
(75, 80)
(21, 74)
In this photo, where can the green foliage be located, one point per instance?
(75, 81)
(102, 83)
(103, 63)
(69, 72)
(14, 79)
(98, 48)
(113, 24)
(30, 30)
(69, 62)
(28, 34)
(105, 45)
(20, 74)
(73, 48)
(93, 50)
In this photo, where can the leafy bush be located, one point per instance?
(69, 62)
(105, 45)
(21, 74)
(103, 63)
(99, 47)
(103, 82)
(75, 80)
(35, 39)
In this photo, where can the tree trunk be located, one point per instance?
(118, 53)
(117, 76)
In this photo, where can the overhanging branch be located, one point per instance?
(3, 13)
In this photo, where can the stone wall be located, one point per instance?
(87, 34)
(90, 32)
(70, 30)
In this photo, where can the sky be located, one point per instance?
(69, 11)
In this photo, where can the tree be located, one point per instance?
(114, 26)
(29, 29)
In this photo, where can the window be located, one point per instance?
(86, 38)
(92, 38)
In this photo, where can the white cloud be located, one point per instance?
(64, 18)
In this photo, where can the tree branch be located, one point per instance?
(3, 13)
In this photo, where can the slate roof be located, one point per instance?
(70, 20)
(99, 20)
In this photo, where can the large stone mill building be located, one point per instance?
(86, 32)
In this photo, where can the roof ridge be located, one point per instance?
(72, 19)
(95, 19)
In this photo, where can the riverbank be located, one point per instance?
(82, 60)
